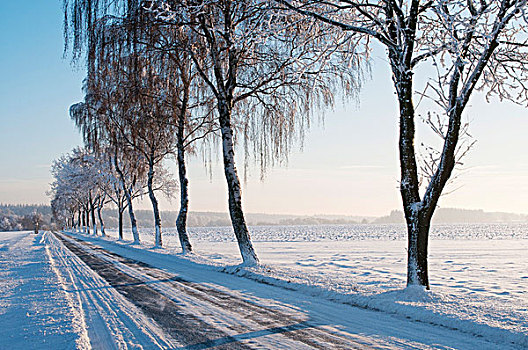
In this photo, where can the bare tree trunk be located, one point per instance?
(224, 98)
(154, 201)
(101, 223)
(94, 223)
(79, 220)
(181, 221)
(133, 221)
(418, 225)
(419, 211)
(417, 216)
(238, 221)
(120, 210)
(128, 196)
(87, 225)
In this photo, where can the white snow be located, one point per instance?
(33, 305)
(478, 278)
(478, 272)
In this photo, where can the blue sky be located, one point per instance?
(36, 88)
(347, 166)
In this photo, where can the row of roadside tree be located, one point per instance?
(174, 77)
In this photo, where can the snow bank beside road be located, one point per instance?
(413, 303)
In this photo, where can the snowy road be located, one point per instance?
(200, 317)
(119, 296)
(180, 307)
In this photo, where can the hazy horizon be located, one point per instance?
(176, 209)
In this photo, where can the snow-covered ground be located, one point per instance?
(478, 272)
(35, 310)
(51, 299)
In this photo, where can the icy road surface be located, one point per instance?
(61, 292)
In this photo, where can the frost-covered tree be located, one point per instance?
(103, 28)
(128, 105)
(131, 174)
(145, 124)
(266, 74)
(76, 187)
(92, 169)
(95, 119)
(457, 47)
(122, 109)
(9, 221)
(187, 99)
(65, 192)
(113, 186)
(266, 70)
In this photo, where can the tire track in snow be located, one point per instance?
(167, 313)
(302, 333)
(113, 321)
(295, 328)
(78, 319)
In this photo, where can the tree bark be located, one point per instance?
(238, 221)
(417, 215)
(86, 228)
(181, 221)
(155, 207)
(94, 223)
(101, 223)
(418, 225)
(133, 221)
(120, 210)
(128, 197)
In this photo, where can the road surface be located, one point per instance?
(179, 307)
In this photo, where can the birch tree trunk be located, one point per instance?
(154, 201)
(225, 86)
(86, 222)
(238, 221)
(128, 197)
(94, 223)
(101, 223)
(133, 221)
(88, 228)
(181, 221)
(120, 210)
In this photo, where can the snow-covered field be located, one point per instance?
(479, 279)
(478, 272)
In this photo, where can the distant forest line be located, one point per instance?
(18, 217)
